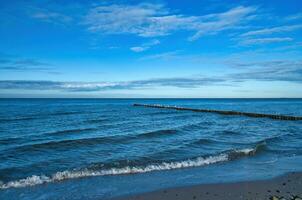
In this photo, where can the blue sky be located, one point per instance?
(158, 48)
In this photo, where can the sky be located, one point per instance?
(151, 49)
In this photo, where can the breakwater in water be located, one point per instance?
(223, 112)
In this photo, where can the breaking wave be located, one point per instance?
(195, 162)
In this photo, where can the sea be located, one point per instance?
(108, 148)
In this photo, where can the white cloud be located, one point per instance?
(152, 20)
(138, 49)
(214, 23)
(294, 17)
(267, 31)
(145, 46)
(48, 16)
(181, 82)
(172, 55)
(253, 41)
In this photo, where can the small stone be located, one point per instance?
(295, 197)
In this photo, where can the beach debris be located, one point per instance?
(283, 198)
(296, 197)
(293, 197)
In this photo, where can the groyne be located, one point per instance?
(223, 112)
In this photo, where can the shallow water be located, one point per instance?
(102, 148)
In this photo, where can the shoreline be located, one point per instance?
(284, 187)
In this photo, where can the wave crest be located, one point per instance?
(196, 162)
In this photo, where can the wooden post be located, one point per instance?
(223, 112)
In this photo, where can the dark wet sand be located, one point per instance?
(288, 186)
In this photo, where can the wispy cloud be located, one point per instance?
(296, 16)
(145, 46)
(162, 56)
(285, 64)
(256, 41)
(213, 23)
(24, 64)
(101, 86)
(153, 20)
(267, 31)
(49, 16)
(275, 70)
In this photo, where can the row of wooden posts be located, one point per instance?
(222, 112)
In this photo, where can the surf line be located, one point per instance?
(222, 112)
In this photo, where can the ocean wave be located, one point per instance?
(202, 141)
(114, 139)
(230, 132)
(17, 119)
(37, 116)
(64, 113)
(96, 121)
(157, 133)
(235, 154)
(68, 131)
(276, 138)
(162, 112)
(62, 144)
(11, 140)
(194, 162)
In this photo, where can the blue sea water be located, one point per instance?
(105, 148)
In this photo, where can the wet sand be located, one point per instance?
(285, 187)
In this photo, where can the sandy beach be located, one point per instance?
(288, 186)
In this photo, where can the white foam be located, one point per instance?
(59, 176)
(29, 181)
(245, 151)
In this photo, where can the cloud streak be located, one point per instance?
(267, 31)
(145, 46)
(154, 20)
(46, 15)
(22, 64)
(101, 86)
(296, 16)
(255, 41)
(277, 70)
